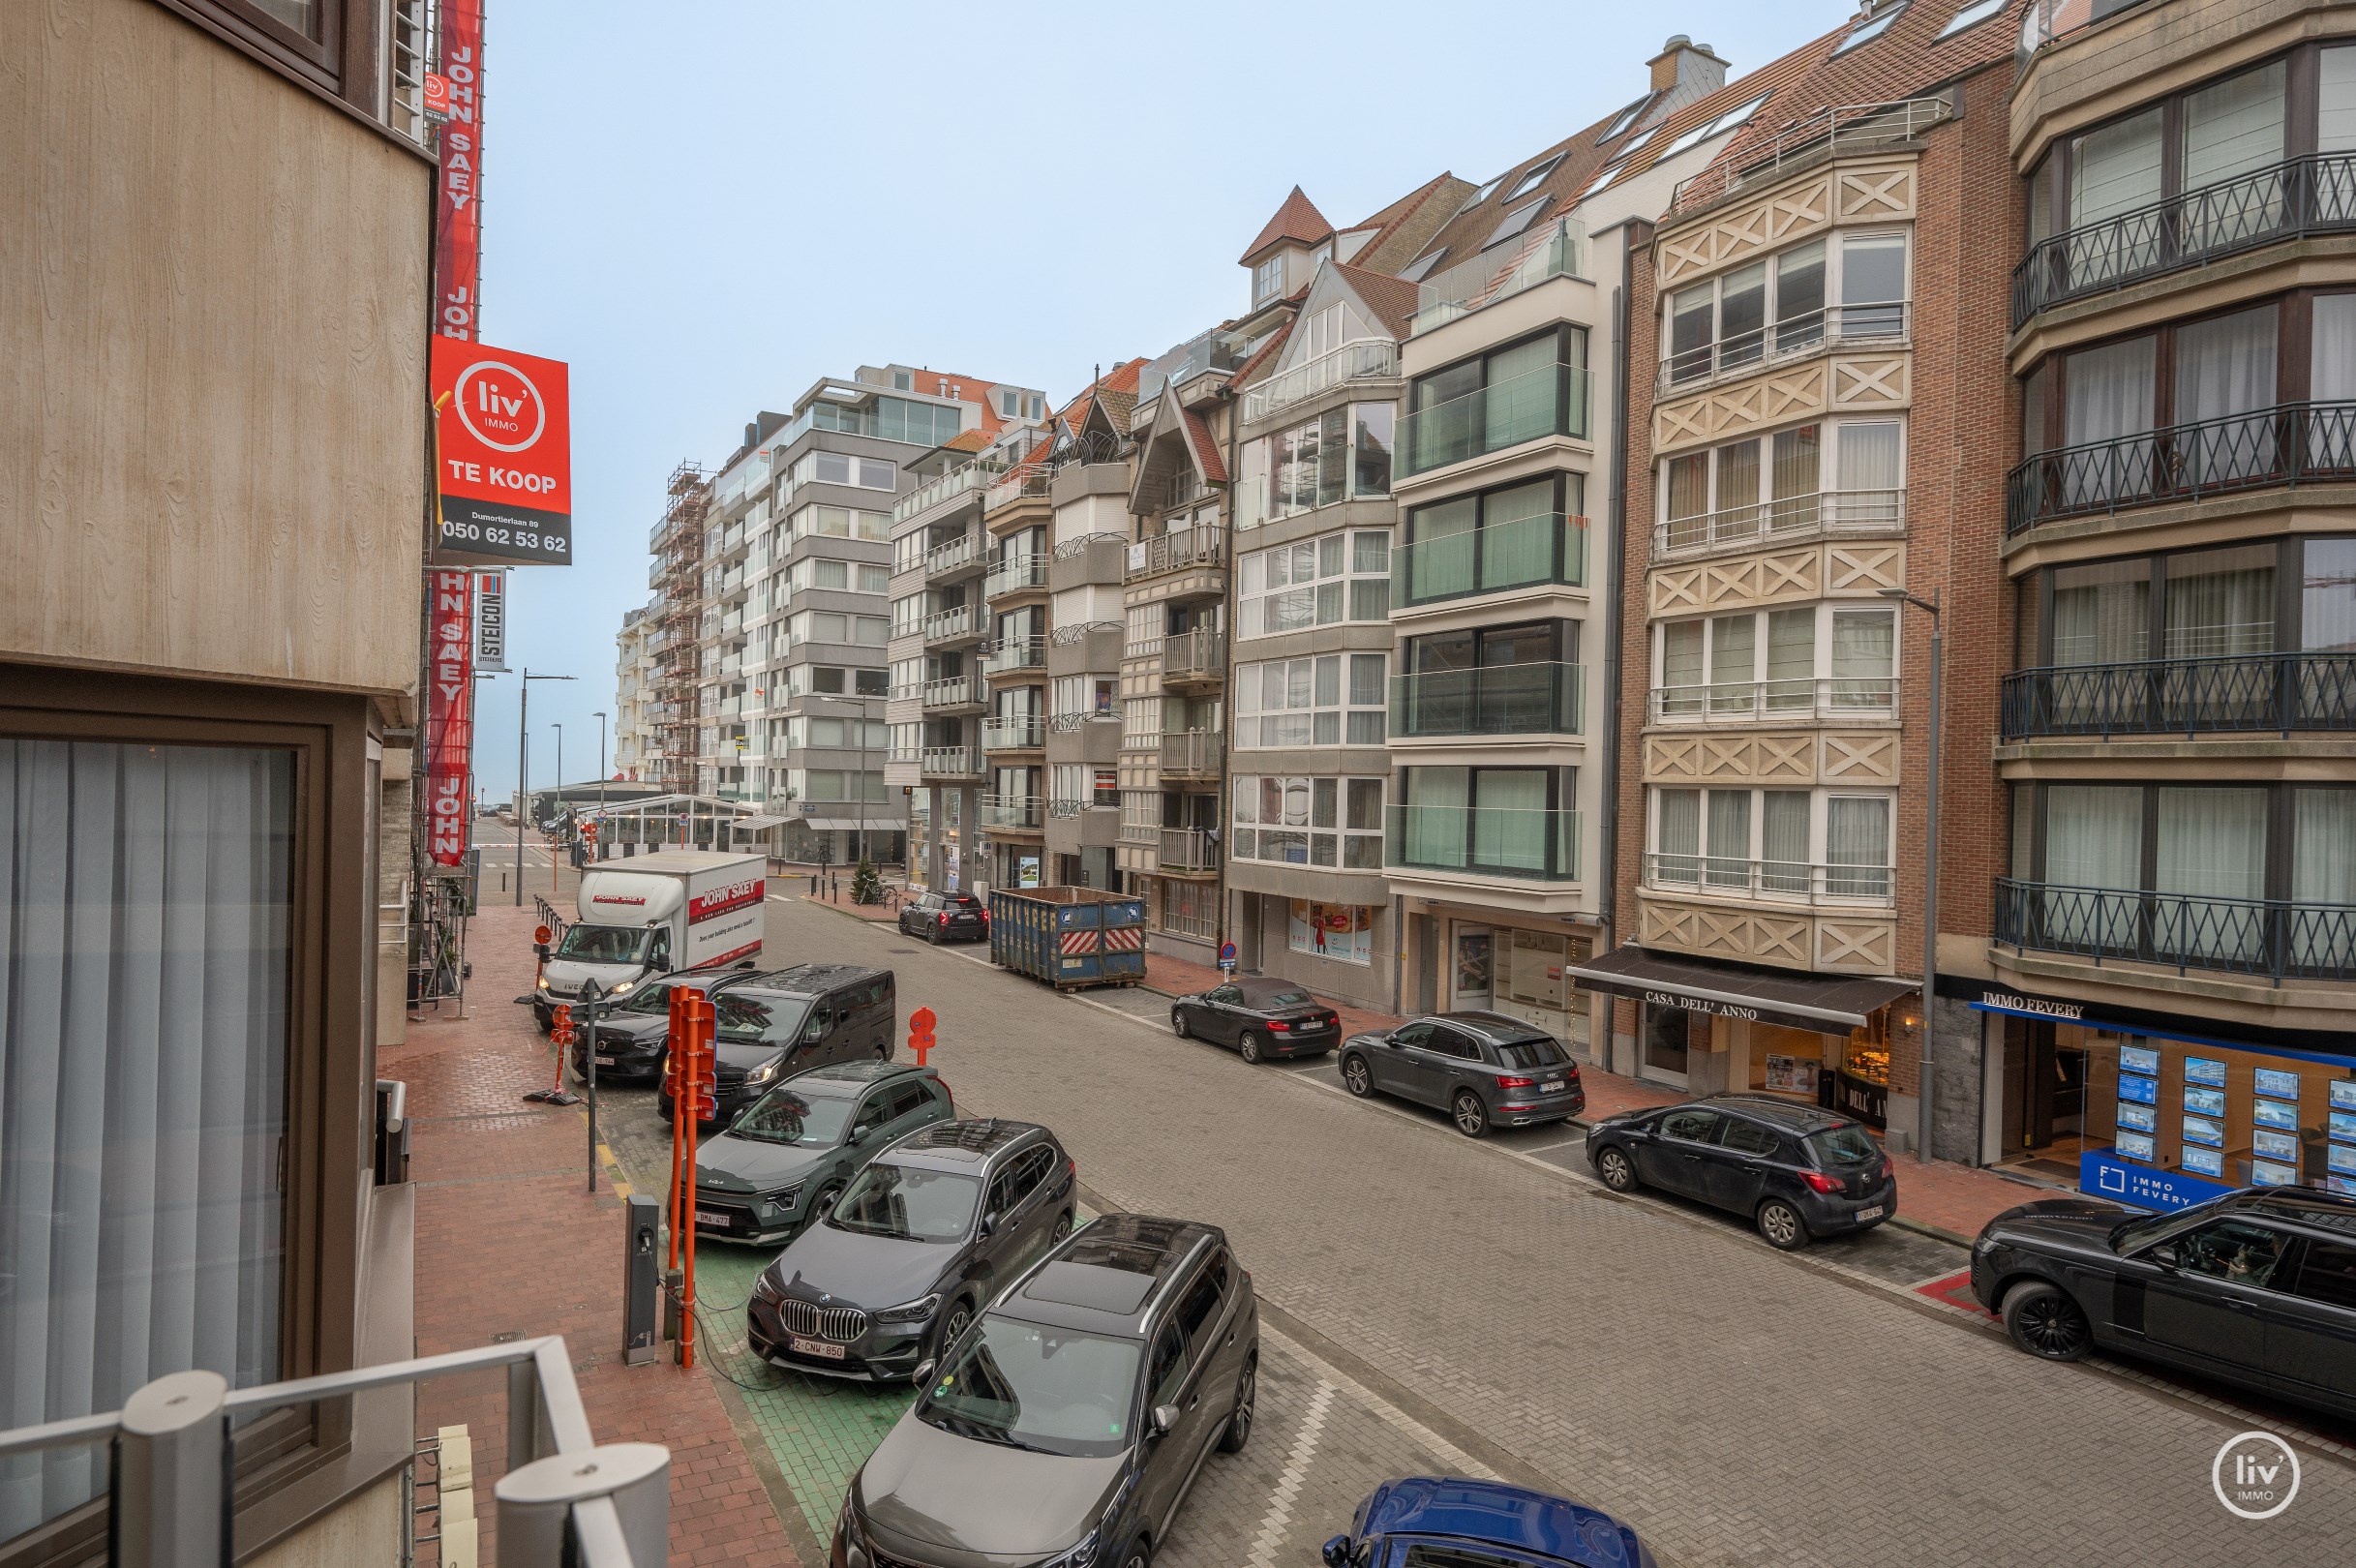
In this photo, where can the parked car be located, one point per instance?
(946, 916)
(1482, 1069)
(2256, 1288)
(786, 1159)
(1066, 1425)
(1259, 1018)
(1793, 1170)
(919, 1242)
(634, 1033)
(1448, 1519)
(788, 1021)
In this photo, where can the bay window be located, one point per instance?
(1330, 700)
(1308, 820)
(1516, 679)
(1344, 454)
(1512, 821)
(1770, 487)
(1525, 390)
(1314, 582)
(1777, 306)
(1518, 535)
(1795, 661)
(1801, 843)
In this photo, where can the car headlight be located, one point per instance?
(543, 982)
(764, 1073)
(1082, 1555)
(846, 1526)
(1983, 1247)
(784, 1197)
(914, 1312)
(765, 1287)
(623, 989)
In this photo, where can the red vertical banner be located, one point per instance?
(458, 244)
(449, 726)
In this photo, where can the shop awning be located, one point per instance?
(1829, 1003)
(752, 825)
(848, 825)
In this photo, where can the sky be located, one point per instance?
(704, 207)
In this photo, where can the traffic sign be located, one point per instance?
(921, 1025)
(1226, 952)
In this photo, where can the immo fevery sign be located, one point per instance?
(449, 711)
(503, 469)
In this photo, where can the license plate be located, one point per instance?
(605, 1061)
(705, 1216)
(1310, 1029)
(813, 1347)
(1874, 1213)
(1552, 1086)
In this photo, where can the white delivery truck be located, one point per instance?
(652, 915)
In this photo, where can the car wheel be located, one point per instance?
(882, 1053)
(1355, 1076)
(1239, 1424)
(1063, 1228)
(823, 1201)
(1179, 1026)
(2044, 1320)
(1470, 1116)
(1616, 1170)
(1138, 1554)
(955, 1321)
(1248, 1046)
(1782, 1226)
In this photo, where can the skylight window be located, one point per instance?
(1656, 131)
(1418, 271)
(1603, 179)
(1870, 28)
(1731, 120)
(1531, 180)
(1625, 118)
(1516, 221)
(1480, 195)
(1971, 15)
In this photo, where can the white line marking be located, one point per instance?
(1288, 1487)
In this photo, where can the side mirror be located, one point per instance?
(922, 1373)
(813, 1032)
(854, 1138)
(989, 1222)
(1166, 1417)
(1337, 1551)
(2163, 1255)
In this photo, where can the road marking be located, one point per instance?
(1279, 1517)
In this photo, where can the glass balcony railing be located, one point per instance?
(1524, 844)
(2275, 939)
(2279, 692)
(1353, 361)
(951, 556)
(1739, 878)
(955, 691)
(956, 482)
(1011, 811)
(949, 625)
(1011, 653)
(1550, 400)
(1014, 732)
(1559, 250)
(1507, 699)
(1015, 574)
(1528, 551)
(1756, 702)
(950, 762)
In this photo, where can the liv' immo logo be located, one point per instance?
(501, 406)
(2256, 1475)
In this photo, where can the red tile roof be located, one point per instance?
(1206, 450)
(1298, 219)
(1392, 299)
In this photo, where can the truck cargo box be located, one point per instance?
(1069, 937)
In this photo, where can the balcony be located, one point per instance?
(1015, 574)
(956, 482)
(950, 762)
(1089, 559)
(957, 625)
(2249, 692)
(1195, 658)
(1188, 851)
(1785, 519)
(1830, 133)
(2290, 444)
(955, 691)
(1351, 362)
(1801, 701)
(1029, 480)
(1192, 754)
(2310, 195)
(1177, 551)
(1524, 844)
(1883, 325)
(1797, 880)
(1559, 250)
(956, 558)
(1010, 654)
(1530, 552)
(1506, 698)
(1014, 732)
(1012, 813)
(2276, 940)
(1550, 400)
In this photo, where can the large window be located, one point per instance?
(1516, 537)
(891, 419)
(1513, 822)
(1333, 699)
(839, 522)
(1799, 661)
(1343, 454)
(1521, 392)
(2199, 605)
(1772, 843)
(1314, 582)
(1843, 286)
(1513, 680)
(1843, 473)
(842, 468)
(1296, 821)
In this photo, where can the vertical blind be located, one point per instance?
(144, 937)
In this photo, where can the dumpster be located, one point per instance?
(1069, 937)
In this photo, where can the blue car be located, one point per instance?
(1450, 1521)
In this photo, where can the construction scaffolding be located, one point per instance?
(674, 642)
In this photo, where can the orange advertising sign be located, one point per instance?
(504, 454)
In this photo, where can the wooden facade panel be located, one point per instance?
(1870, 192)
(1867, 757)
(1856, 946)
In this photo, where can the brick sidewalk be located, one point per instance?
(509, 1243)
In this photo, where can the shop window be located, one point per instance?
(1344, 932)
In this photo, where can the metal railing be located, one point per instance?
(1351, 362)
(955, 691)
(2309, 195)
(1204, 545)
(565, 1498)
(1502, 699)
(1010, 811)
(1011, 653)
(1785, 520)
(2277, 939)
(1072, 632)
(1015, 574)
(1798, 700)
(956, 482)
(953, 762)
(1557, 249)
(1015, 732)
(946, 625)
(1188, 849)
(1525, 844)
(2279, 692)
(1887, 323)
(1022, 480)
(1193, 655)
(1830, 133)
(1191, 753)
(2291, 443)
(1524, 552)
(1550, 400)
(1741, 878)
(953, 556)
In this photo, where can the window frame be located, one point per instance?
(1251, 607)
(1836, 243)
(1246, 836)
(1248, 713)
(2029, 797)
(1753, 853)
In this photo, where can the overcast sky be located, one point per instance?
(704, 207)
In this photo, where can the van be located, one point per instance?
(653, 914)
(773, 1026)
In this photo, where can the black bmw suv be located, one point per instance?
(1795, 1171)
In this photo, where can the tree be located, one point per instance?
(866, 887)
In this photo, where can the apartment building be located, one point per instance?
(1815, 479)
(634, 695)
(674, 634)
(2160, 1009)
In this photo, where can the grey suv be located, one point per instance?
(1482, 1069)
(784, 1161)
(919, 1242)
(1065, 1427)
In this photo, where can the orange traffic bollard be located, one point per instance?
(921, 1033)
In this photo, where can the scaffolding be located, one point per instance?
(674, 642)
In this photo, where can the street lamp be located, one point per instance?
(523, 795)
(1930, 872)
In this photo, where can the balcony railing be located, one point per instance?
(1011, 653)
(1525, 844)
(1013, 574)
(1024, 479)
(1550, 400)
(1524, 552)
(1192, 754)
(1796, 880)
(2292, 443)
(1769, 701)
(1557, 249)
(1177, 551)
(1830, 132)
(1785, 519)
(1505, 699)
(1014, 732)
(947, 625)
(1188, 849)
(2315, 194)
(1075, 631)
(2279, 692)
(955, 691)
(955, 482)
(1813, 333)
(950, 762)
(2277, 939)
(1351, 362)
(954, 556)
(1010, 811)
(1195, 656)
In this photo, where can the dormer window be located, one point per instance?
(1623, 119)
(1268, 279)
(1871, 27)
(1520, 219)
(1534, 178)
(1480, 195)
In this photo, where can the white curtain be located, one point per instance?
(2226, 367)
(1872, 473)
(2109, 398)
(2093, 835)
(1782, 841)
(1676, 834)
(1509, 819)
(1730, 839)
(2211, 846)
(2331, 431)
(2323, 872)
(2233, 128)
(2221, 603)
(2116, 170)
(1437, 800)
(1857, 846)
(144, 974)
(1865, 658)
(2101, 612)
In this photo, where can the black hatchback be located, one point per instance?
(1259, 1018)
(946, 916)
(1795, 1171)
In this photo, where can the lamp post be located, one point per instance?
(1930, 873)
(522, 760)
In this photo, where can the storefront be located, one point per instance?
(1485, 960)
(2162, 1111)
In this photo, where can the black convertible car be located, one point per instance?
(1259, 1018)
